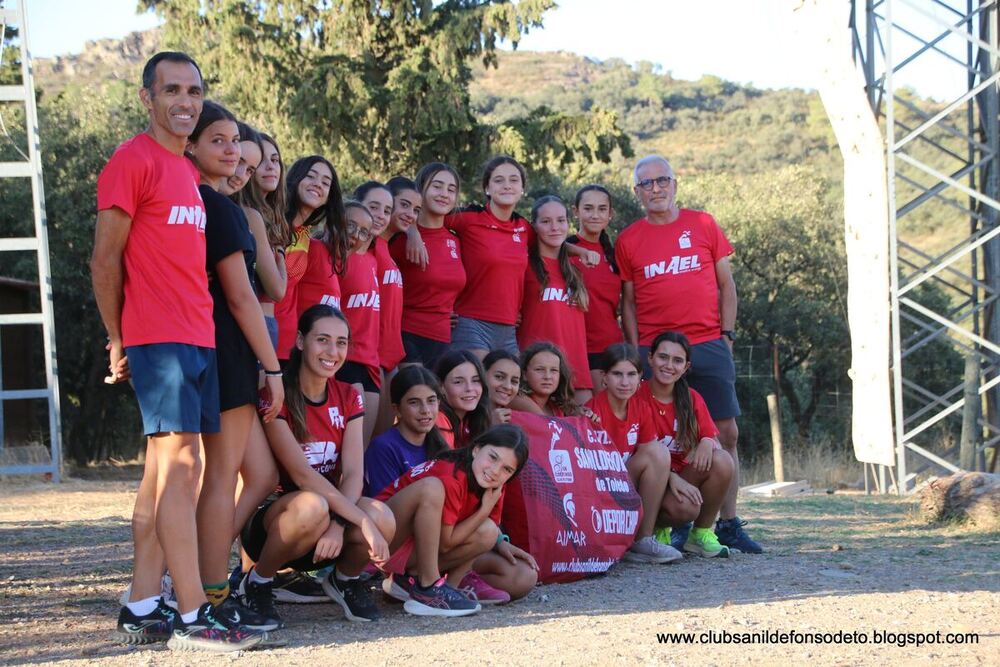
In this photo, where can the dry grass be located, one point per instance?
(822, 463)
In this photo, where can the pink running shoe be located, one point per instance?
(486, 594)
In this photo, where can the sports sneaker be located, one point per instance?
(156, 626)
(438, 599)
(235, 576)
(649, 550)
(235, 614)
(208, 632)
(730, 532)
(353, 596)
(678, 536)
(298, 588)
(397, 586)
(483, 592)
(703, 542)
(258, 597)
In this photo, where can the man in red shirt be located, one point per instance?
(677, 277)
(151, 287)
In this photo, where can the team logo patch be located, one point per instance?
(685, 240)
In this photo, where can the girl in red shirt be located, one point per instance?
(313, 198)
(317, 516)
(592, 207)
(555, 297)
(629, 423)
(360, 301)
(700, 469)
(503, 379)
(406, 205)
(466, 400)
(446, 512)
(546, 384)
(430, 290)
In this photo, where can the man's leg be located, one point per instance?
(149, 564)
(728, 435)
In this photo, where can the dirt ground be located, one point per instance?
(845, 563)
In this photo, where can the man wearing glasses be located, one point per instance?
(677, 277)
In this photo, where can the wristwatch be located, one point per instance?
(730, 334)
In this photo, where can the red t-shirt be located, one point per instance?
(166, 297)
(429, 294)
(495, 254)
(326, 423)
(361, 305)
(549, 316)
(390, 336)
(626, 434)
(604, 287)
(665, 423)
(319, 283)
(459, 502)
(672, 268)
(286, 311)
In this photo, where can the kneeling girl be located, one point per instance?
(447, 511)
(317, 516)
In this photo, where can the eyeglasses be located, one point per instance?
(361, 233)
(647, 184)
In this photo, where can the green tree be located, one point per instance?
(381, 85)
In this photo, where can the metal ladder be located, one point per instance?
(31, 169)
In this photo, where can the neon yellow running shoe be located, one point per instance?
(703, 542)
(662, 535)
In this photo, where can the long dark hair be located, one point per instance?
(687, 422)
(478, 419)
(575, 288)
(414, 376)
(295, 402)
(362, 190)
(332, 213)
(562, 397)
(272, 204)
(501, 435)
(606, 245)
(210, 113)
(618, 352)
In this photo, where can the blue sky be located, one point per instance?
(747, 41)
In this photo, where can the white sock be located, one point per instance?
(190, 616)
(344, 577)
(257, 579)
(143, 607)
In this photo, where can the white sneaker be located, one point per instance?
(649, 550)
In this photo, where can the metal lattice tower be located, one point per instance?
(943, 162)
(12, 14)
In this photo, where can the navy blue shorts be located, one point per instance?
(177, 387)
(712, 374)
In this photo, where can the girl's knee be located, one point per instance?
(309, 509)
(486, 535)
(524, 580)
(381, 516)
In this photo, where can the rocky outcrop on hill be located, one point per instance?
(101, 60)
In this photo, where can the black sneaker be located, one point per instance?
(257, 597)
(354, 596)
(156, 626)
(438, 599)
(210, 633)
(234, 614)
(298, 588)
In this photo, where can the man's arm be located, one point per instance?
(630, 325)
(107, 275)
(727, 296)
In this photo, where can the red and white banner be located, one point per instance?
(572, 506)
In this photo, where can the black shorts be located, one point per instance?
(354, 373)
(594, 360)
(421, 350)
(254, 535)
(237, 373)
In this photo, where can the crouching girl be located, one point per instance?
(700, 469)
(447, 511)
(317, 516)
